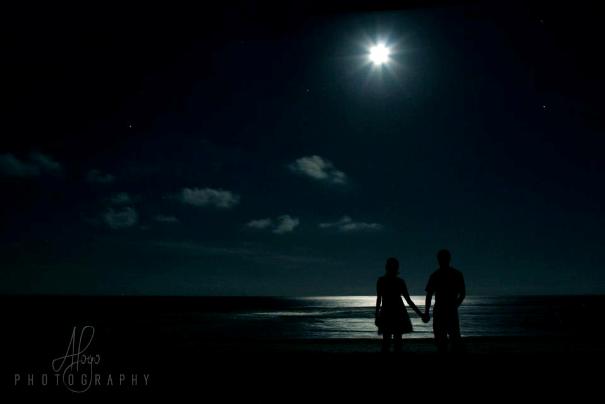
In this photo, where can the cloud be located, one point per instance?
(45, 163)
(209, 197)
(122, 198)
(37, 164)
(97, 177)
(319, 169)
(260, 223)
(282, 224)
(121, 218)
(166, 219)
(10, 166)
(346, 224)
(256, 253)
(286, 224)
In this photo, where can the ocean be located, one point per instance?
(353, 317)
(266, 318)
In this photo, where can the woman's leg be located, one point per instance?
(386, 341)
(398, 342)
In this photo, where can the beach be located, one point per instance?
(276, 370)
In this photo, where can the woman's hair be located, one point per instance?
(392, 266)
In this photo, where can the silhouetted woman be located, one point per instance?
(392, 318)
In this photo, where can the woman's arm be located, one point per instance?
(408, 299)
(378, 300)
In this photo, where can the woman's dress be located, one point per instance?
(393, 317)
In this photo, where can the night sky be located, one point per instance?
(255, 151)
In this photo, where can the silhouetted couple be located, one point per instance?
(392, 319)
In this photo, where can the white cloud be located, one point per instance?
(122, 198)
(285, 224)
(45, 163)
(97, 177)
(209, 197)
(37, 164)
(121, 218)
(10, 166)
(260, 223)
(319, 169)
(282, 224)
(166, 219)
(347, 224)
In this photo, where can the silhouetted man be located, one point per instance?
(447, 284)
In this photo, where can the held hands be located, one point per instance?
(426, 317)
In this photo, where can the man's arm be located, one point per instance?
(430, 289)
(427, 305)
(462, 292)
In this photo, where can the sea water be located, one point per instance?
(353, 316)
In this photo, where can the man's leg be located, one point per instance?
(440, 332)
(398, 342)
(454, 332)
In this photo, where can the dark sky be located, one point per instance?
(254, 151)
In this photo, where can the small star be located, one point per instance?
(130, 126)
(544, 107)
(307, 90)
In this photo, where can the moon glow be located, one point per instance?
(379, 54)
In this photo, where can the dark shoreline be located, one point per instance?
(288, 369)
(422, 346)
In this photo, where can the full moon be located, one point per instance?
(379, 54)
